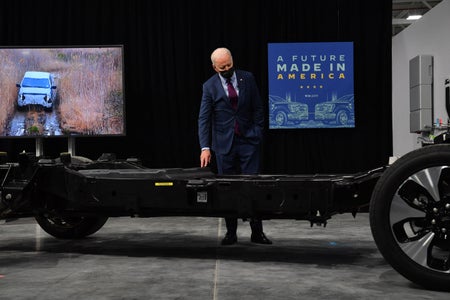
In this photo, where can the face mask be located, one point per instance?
(228, 73)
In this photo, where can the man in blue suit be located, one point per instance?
(230, 123)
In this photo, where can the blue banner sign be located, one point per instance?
(311, 85)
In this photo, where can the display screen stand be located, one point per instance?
(40, 146)
(71, 145)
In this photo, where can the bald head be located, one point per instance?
(222, 61)
(220, 54)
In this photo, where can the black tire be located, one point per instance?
(70, 227)
(410, 216)
(20, 108)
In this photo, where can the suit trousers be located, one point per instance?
(243, 158)
(255, 225)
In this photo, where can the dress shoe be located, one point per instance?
(229, 239)
(260, 238)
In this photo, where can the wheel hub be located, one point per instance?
(438, 215)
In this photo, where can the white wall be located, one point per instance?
(429, 35)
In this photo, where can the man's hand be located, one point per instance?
(205, 158)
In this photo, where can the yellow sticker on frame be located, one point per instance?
(163, 183)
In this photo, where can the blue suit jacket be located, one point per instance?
(216, 118)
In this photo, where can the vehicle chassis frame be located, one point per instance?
(76, 186)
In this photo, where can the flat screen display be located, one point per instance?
(311, 85)
(62, 91)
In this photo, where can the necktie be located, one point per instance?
(232, 94)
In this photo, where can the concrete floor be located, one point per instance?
(181, 258)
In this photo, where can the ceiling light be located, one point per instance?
(413, 17)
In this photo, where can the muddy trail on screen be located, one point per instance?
(34, 122)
